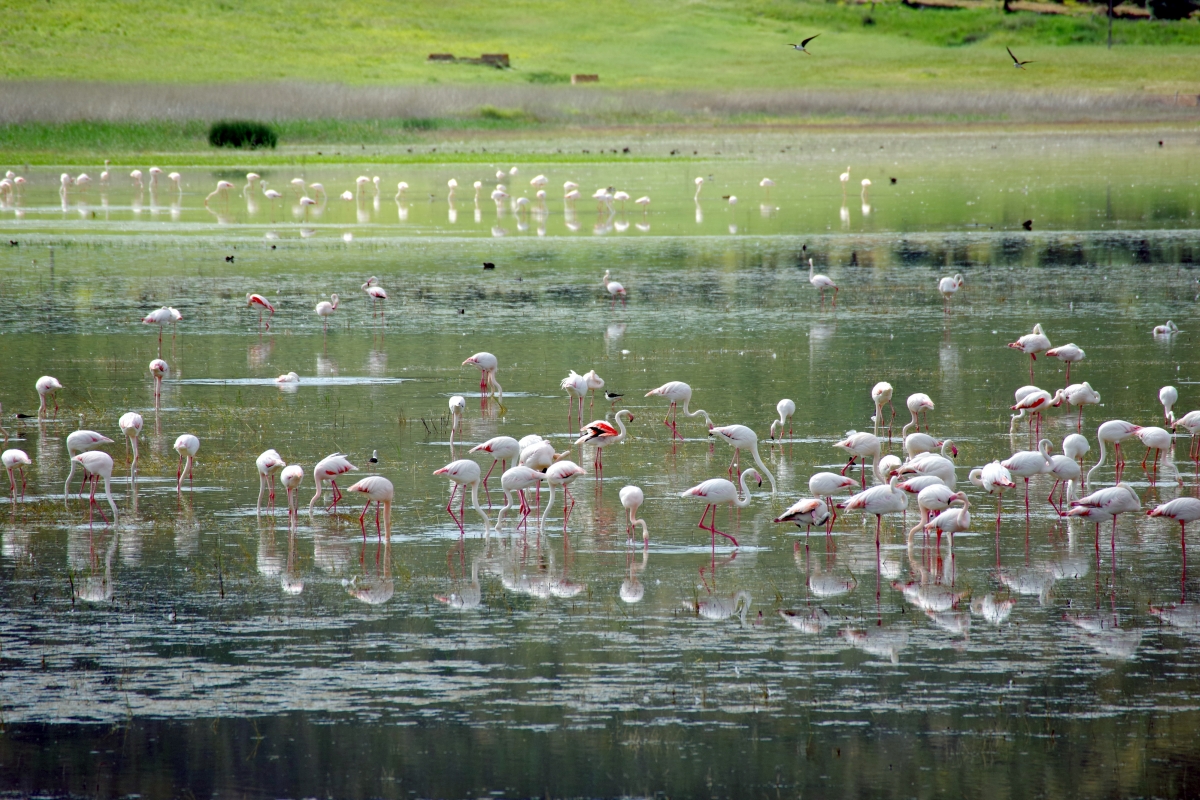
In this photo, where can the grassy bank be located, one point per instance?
(647, 44)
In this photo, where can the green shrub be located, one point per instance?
(240, 133)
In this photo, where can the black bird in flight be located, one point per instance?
(1018, 63)
(803, 46)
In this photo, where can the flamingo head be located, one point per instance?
(954, 450)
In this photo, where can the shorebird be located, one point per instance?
(1018, 63)
(803, 46)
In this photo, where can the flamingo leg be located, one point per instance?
(1183, 549)
(485, 489)
(450, 508)
(849, 464)
(362, 520)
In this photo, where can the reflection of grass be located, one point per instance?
(716, 44)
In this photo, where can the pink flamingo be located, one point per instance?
(594, 384)
(1168, 396)
(615, 289)
(1066, 472)
(952, 520)
(488, 367)
(1031, 404)
(862, 445)
(562, 473)
(159, 317)
(269, 464)
(881, 395)
(187, 446)
(1078, 395)
(718, 491)
(1190, 422)
(379, 490)
(325, 310)
(1183, 510)
(18, 460)
(1027, 463)
(1031, 344)
(822, 282)
(47, 385)
(935, 497)
(806, 513)
(263, 304)
(826, 485)
(1114, 432)
(327, 469)
(97, 464)
(1157, 439)
(160, 370)
(994, 479)
(678, 392)
(457, 406)
(786, 409)
(376, 293)
(502, 449)
(742, 438)
(1104, 505)
(515, 481)
(879, 500)
(463, 473)
(1068, 354)
(575, 385)
(130, 424)
(601, 434)
(291, 478)
(632, 498)
(78, 442)
(919, 405)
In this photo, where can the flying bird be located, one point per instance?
(803, 46)
(1018, 63)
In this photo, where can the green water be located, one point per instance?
(228, 653)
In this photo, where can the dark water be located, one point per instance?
(198, 645)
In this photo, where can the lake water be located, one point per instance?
(200, 645)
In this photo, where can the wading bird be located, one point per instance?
(719, 491)
(803, 48)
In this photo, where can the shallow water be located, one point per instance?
(197, 643)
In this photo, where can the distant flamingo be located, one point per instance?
(948, 287)
(677, 392)
(222, 189)
(594, 384)
(632, 498)
(993, 478)
(159, 317)
(263, 305)
(1031, 344)
(502, 449)
(463, 473)
(742, 438)
(766, 184)
(327, 469)
(1114, 432)
(718, 491)
(325, 310)
(785, 409)
(1068, 354)
(862, 445)
(291, 478)
(614, 289)
(97, 464)
(79, 442)
(47, 385)
(268, 464)
(457, 406)
(186, 445)
(919, 405)
(822, 282)
(845, 179)
(601, 434)
(575, 385)
(1078, 395)
(130, 424)
(288, 378)
(1104, 505)
(1032, 404)
(1168, 330)
(160, 370)
(1168, 396)
(488, 367)
(379, 490)
(881, 395)
(1027, 463)
(18, 460)
(562, 473)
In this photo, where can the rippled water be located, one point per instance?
(199, 644)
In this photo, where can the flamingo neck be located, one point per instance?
(475, 503)
(744, 501)
(111, 504)
(695, 413)
(761, 466)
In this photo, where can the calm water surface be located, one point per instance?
(200, 644)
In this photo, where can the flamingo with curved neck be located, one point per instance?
(718, 491)
(678, 392)
(742, 438)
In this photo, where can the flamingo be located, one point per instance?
(742, 438)
(515, 481)
(463, 473)
(632, 498)
(288, 378)
(263, 305)
(822, 282)
(488, 366)
(575, 386)
(325, 309)
(95, 465)
(130, 424)
(594, 384)
(1168, 396)
(993, 478)
(948, 287)
(379, 490)
(327, 469)
(785, 409)
(1031, 344)
(699, 185)
(1190, 422)
(918, 403)
(677, 392)
(457, 406)
(938, 464)
(935, 497)
(136, 176)
(601, 434)
(47, 385)
(562, 473)
(159, 317)
(1078, 395)
(1157, 439)
(78, 442)
(268, 465)
(1076, 446)
(1068, 354)
(879, 500)
(918, 443)
(160, 370)
(845, 179)
(806, 513)
(1114, 431)
(881, 395)
(952, 520)
(186, 445)
(1032, 405)
(222, 189)
(766, 184)
(864, 445)
(644, 202)
(1104, 505)
(1168, 330)
(1182, 509)
(1027, 463)
(176, 181)
(291, 478)
(18, 460)
(614, 289)
(718, 491)
(1066, 471)
(826, 485)
(503, 449)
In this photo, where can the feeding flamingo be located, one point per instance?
(1157, 439)
(325, 310)
(1114, 432)
(632, 498)
(463, 473)
(268, 464)
(601, 434)
(79, 442)
(1066, 471)
(677, 392)
(1076, 446)
(1032, 404)
(263, 304)
(130, 424)
(457, 406)
(993, 478)
(327, 469)
(562, 473)
(952, 520)
(47, 385)
(291, 478)
(948, 287)
(742, 438)
(515, 481)
(1027, 463)
(186, 445)
(1168, 330)
(881, 395)
(97, 464)
(18, 460)
(160, 370)
(1104, 505)
(503, 449)
(785, 409)
(718, 491)
(1168, 396)
(379, 490)
(488, 367)
(1031, 344)
(934, 497)
(919, 405)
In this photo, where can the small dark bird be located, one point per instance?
(803, 46)
(19, 415)
(228, 259)
(893, 180)
(15, 243)
(462, 311)
(1018, 63)
(374, 459)
(612, 397)
(488, 265)
(1027, 224)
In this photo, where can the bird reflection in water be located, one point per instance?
(877, 641)
(89, 558)
(466, 594)
(810, 620)
(721, 608)
(992, 608)
(1102, 632)
(187, 532)
(291, 581)
(258, 355)
(268, 559)
(633, 590)
(826, 581)
(1029, 581)
(373, 585)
